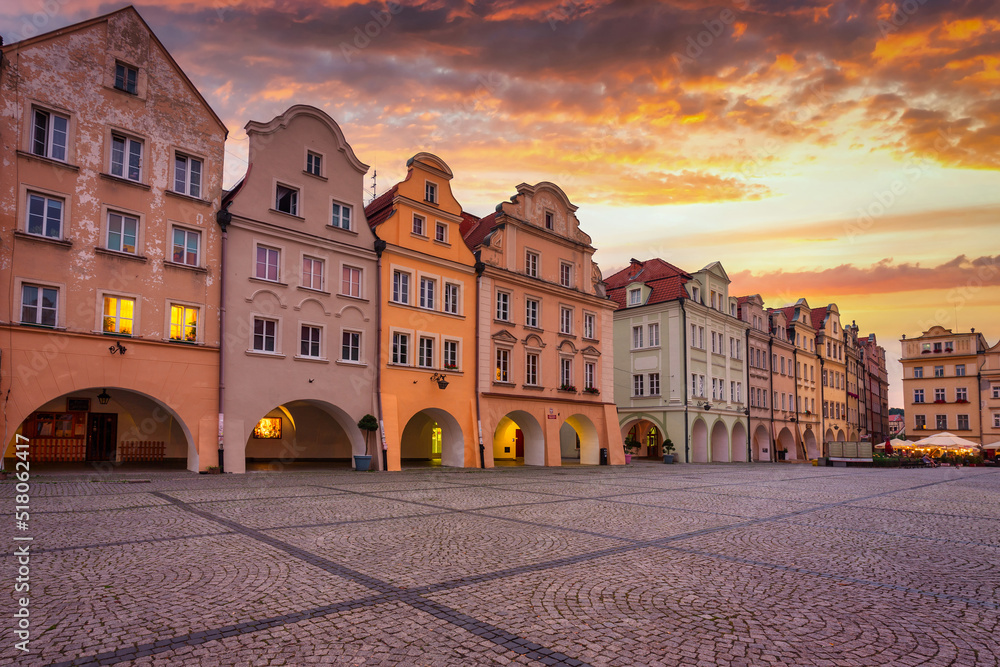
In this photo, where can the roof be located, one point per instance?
(475, 230)
(666, 281)
(818, 315)
(381, 208)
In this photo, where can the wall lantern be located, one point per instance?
(440, 379)
(103, 397)
(118, 347)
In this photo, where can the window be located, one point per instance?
(314, 163)
(310, 341)
(566, 372)
(783, 365)
(340, 215)
(126, 157)
(960, 370)
(350, 346)
(937, 347)
(963, 422)
(425, 352)
(187, 175)
(451, 355)
(503, 365)
(418, 225)
(961, 394)
(427, 286)
(39, 305)
(450, 298)
(701, 385)
(126, 78)
(503, 306)
(350, 281)
(826, 411)
(430, 192)
(531, 369)
(995, 391)
(694, 384)
(549, 220)
(654, 384)
(186, 244)
(45, 216)
(996, 420)
(531, 263)
(701, 337)
(939, 371)
(589, 325)
(312, 273)
(918, 395)
(441, 232)
(941, 422)
(654, 335)
(267, 263)
(49, 134)
(265, 334)
(920, 421)
(286, 200)
(695, 294)
(123, 230)
(565, 274)
(400, 287)
(636, 337)
(400, 348)
(183, 323)
(635, 297)
(119, 315)
(637, 385)
(531, 313)
(566, 321)
(918, 371)
(939, 395)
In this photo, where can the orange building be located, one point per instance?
(111, 176)
(546, 372)
(427, 321)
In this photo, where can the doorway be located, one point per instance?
(102, 436)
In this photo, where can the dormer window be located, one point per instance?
(550, 222)
(314, 163)
(696, 294)
(126, 78)
(635, 296)
(431, 192)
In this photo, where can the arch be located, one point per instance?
(762, 444)
(841, 435)
(786, 442)
(308, 430)
(534, 340)
(739, 442)
(647, 434)
(432, 161)
(810, 444)
(349, 307)
(720, 442)
(699, 441)
(136, 427)
(590, 443)
(828, 436)
(266, 292)
(566, 346)
(433, 435)
(312, 299)
(518, 436)
(296, 110)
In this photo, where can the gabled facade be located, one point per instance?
(785, 431)
(804, 367)
(941, 383)
(831, 351)
(301, 304)
(428, 320)
(856, 415)
(758, 362)
(989, 395)
(544, 334)
(876, 388)
(111, 179)
(697, 364)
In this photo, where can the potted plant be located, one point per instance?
(214, 470)
(567, 387)
(368, 424)
(668, 451)
(631, 447)
(591, 390)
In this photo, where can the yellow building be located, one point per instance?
(832, 355)
(427, 321)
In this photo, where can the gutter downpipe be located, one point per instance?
(379, 247)
(687, 445)
(746, 368)
(795, 407)
(480, 268)
(223, 217)
(770, 388)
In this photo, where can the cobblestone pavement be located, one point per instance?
(644, 564)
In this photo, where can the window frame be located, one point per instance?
(347, 339)
(399, 352)
(40, 288)
(566, 274)
(502, 365)
(320, 344)
(307, 278)
(293, 193)
(430, 192)
(566, 317)
(654, 384)
(49, 144)
(186, 231)
(123, 170)
(531, 263)
(338, 219)
(451, 298)
(314, 163)
(421, 228)
(638, 385)
(185, 308)
(427, 293)
(257, 247)
(264, 335)
(401, 287)
(590, 325)
(501, 312)
(137, 239)
(126, 69)
(532, 317)
(440, 232)
(347, 273)
(425, 351)
(531, 365)
(46, 199)
(188, 186)
(449, 347)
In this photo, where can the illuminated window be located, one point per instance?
(268, 428)
(183, 323)
(119, 314)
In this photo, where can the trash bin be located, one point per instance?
(604, 456)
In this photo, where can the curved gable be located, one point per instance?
(304, 110)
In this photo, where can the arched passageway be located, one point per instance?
(518, 439)
(303, 432)
(432, 437)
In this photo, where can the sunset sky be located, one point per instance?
(844, 152)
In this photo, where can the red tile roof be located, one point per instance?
(664, 279)
(818, 315)
(476, 230)
(381, 207)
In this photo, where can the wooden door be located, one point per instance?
(518, 443)
(102, 436)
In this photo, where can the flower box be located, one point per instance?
(962, 400)
(592, 390)
(940, 401)
(451, 367)
(567, 387)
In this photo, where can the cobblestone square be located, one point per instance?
(645, 564)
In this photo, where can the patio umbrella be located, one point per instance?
(946, 440)
(992, 446)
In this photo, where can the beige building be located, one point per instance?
(300, 295)
(111, 177)
(832, 353)
(941, 387)
(544, 333)
(759, 384)
(784, 425)
(804, 367)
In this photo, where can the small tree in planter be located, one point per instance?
(631, 447)
(668, 451)
(368, 424)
